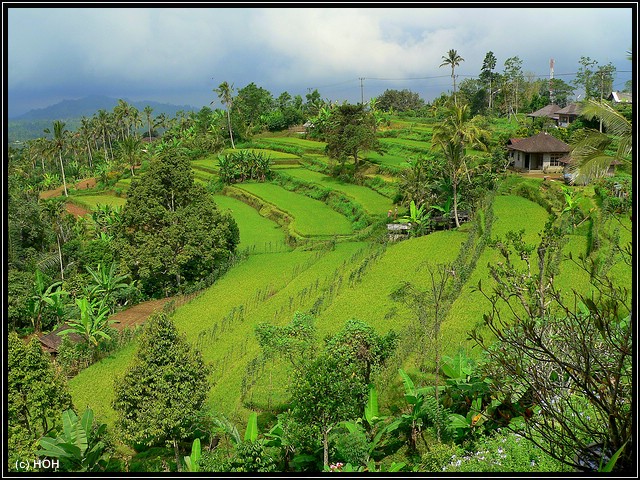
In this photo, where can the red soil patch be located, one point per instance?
(137, 314)
(81, 185)
(75, 209)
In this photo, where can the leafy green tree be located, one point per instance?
(513, 82)
(326, 392)
(225, 94)
(351, 131)
(80, 446)
(400, 101)
(252, 103)
(295, 341)
(160, 398)
(358, 344)
(487, 76)
(452, 137)
(36, 397)
(453, 60)
(172, 232)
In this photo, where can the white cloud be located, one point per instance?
(190, 49)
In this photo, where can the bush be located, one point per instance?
(503, 452)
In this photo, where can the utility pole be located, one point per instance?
(361, 91)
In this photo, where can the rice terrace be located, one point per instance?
(313, 286)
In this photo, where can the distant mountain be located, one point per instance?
(89, 106)
(32, 124)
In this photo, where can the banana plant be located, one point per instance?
(418, 218)
(93, 321)
(78, 447)
(376, 427)
(193, 461)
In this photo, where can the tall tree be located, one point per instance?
(513, 83)
(160, 398)
(148, 111)
(36, 397)
(453, 60)
(486, 73)
(452, 137)
(351, 130)
(58, 145)
(172, 231)
(225, 94)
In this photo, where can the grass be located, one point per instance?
(273, 154)
(91, 201)
(371, 201)
(310, 146)
(310, 217)
(467, 310)
(258, 234)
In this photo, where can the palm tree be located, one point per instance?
(58, 145)
(52, 211)
(225, 94)
(452, 136)
(86, 133)
(588, 157)
(147, 112)
(130, 150)
(453, 59)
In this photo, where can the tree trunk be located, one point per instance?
(60, 257)
(455, 201)
(230, 132)
(64, 181)
(177, 454)
(325, 446)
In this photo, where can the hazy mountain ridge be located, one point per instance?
(32, 124)
(88, 106)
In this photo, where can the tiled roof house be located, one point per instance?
(539, 152)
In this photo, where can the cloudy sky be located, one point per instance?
(179, 55)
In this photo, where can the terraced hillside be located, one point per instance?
(343, 276)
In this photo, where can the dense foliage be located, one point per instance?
(172, 233)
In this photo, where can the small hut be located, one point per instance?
(51, 341)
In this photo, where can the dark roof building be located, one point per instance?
(51, 341)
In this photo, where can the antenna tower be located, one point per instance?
(551, 95)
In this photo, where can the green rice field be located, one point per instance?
(257, 234)
(310, 217)
(370, 200)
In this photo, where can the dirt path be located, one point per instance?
(81, 185)
(70, 207)
(137, 314)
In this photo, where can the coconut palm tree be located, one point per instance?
(453, 59)
(130, 150)
(452, 136)
(147, 112)
(225, 94)
(58, 145)
(589, 159)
